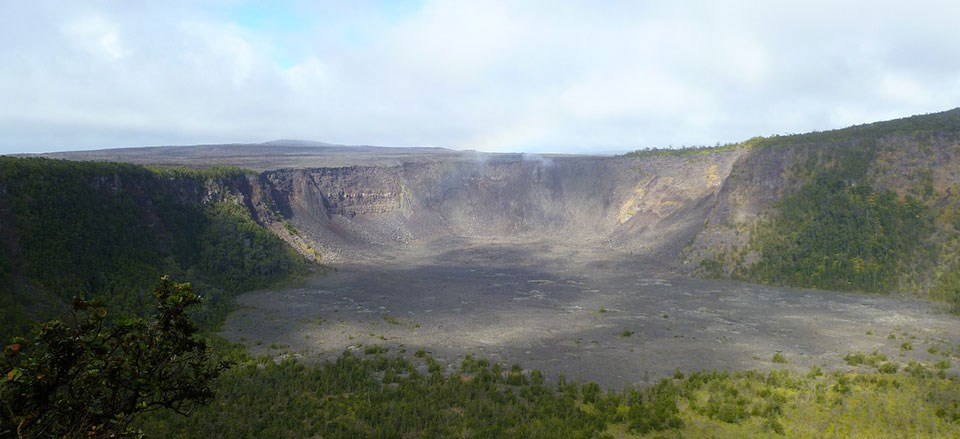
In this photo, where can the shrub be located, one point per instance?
(94, 376)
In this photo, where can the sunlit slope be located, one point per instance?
(868, 208)
(651, 205)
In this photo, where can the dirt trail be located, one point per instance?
(583, 311)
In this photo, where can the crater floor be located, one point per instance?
(585, 311)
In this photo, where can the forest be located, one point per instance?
(108, 231)
(861, 211)
(838, 232)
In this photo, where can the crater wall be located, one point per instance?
(649, 205)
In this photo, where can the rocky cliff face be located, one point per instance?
(918, 166)
(701, 212)
(704, 211)
(642, 204)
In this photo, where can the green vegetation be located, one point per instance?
(863, 208)
(946, 121)
(291, 229)
(888, 368)
(683, 151)
(237, 254)
(98, 230)
(837, 232)
(944, 246)
(857, 358)
(379, 395)
(94, 375)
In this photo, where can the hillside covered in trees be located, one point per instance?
(870, 208)
(109, 231)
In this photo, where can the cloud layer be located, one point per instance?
(491, 75)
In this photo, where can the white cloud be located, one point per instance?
(495, 75)
(901, 88)
(96, 35)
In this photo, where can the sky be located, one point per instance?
(498, 75)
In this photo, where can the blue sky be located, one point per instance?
(508, 75)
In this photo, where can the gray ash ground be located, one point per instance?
(587, 312)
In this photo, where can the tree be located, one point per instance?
(93, 376)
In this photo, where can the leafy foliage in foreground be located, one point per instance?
(99, 229)
(93, 376)
(380, 395)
